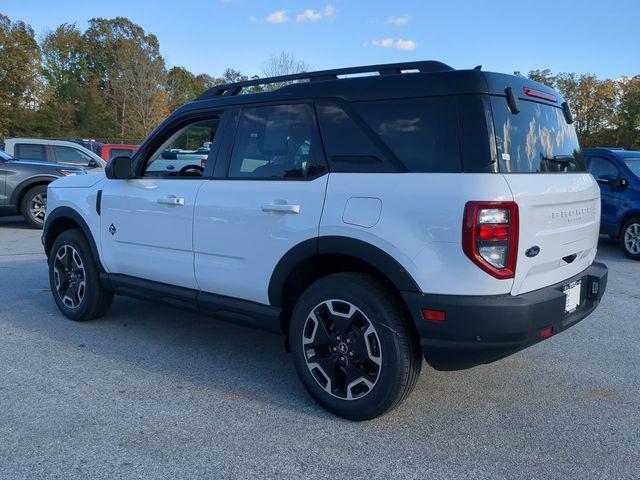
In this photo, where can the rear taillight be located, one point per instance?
(203, 162)
(490, 236)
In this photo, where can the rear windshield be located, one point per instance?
(537, 139)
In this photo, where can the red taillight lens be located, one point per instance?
(490, 236)
(203, 162)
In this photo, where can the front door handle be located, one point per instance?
(280, 208)
(171, 200)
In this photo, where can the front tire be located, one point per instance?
(75, 279)
(34, 205)
(630, 238)
(353, 346)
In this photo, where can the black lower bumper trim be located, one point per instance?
(482, 329)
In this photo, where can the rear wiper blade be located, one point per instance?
(560, 158)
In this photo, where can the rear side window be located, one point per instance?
(422, 133)
(351, 146)
(277, 142)
(538, 139)
(27, 151)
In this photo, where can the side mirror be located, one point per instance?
(119, 168)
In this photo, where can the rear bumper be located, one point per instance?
(482, 329)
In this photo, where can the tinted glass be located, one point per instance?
(600, 166)
(185, 152)
(70, 156)
(633, 164)
(119, 152)
(31, 152)
(351, 146)
(422, 133)
(536, 140)
(276, 142)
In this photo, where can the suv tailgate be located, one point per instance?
(560, 214)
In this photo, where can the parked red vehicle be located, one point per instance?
(111, 151)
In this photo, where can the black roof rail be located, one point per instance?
(429, 66)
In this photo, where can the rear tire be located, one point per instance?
(353, 346)
(34, 205)
(75, 278)
(630, 238)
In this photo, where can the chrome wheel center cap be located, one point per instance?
(343, 348)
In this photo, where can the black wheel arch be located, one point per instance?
(317, 257)
(22, 188)
(65, 218)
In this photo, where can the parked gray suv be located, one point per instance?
(23, 186)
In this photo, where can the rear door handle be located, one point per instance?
(171, 200)
(281, 208)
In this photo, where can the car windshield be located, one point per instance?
(634, 165)
(537, 139)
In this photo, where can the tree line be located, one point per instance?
(110, 82)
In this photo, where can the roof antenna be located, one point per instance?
(478, 67)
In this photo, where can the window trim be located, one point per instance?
(236, 123)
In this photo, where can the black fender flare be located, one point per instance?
(338, 245)
(61, 213)
(22, 187)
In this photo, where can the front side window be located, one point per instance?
(537, 139)
(185, 152)
(276, 142)
(599, 167)
(70, 156)
(25, 151)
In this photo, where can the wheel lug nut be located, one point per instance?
(343, 358)
(338, 338)
(351, 354)
(348, 340)
(334, 349)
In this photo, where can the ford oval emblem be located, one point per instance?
(533, 251)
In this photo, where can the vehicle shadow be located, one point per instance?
(231, 363)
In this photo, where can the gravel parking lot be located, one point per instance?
(152, 392)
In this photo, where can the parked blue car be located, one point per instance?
(618, 174)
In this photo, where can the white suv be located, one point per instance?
(373, 220)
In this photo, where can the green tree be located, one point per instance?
(182, 87)
(19, 73)
(628, 113)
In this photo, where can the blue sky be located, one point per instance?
(206, 36)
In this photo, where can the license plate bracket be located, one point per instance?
(572, 296)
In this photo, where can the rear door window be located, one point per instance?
(277, 142)
(537, 139)
(422, 133)
(26, 151)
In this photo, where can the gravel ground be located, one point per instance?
(152, 392)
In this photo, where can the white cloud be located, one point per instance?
(309, 14)
(405, 44)
(278, 17)
(400, 44)
(385, 42)
(399, 21)
(315, 15)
